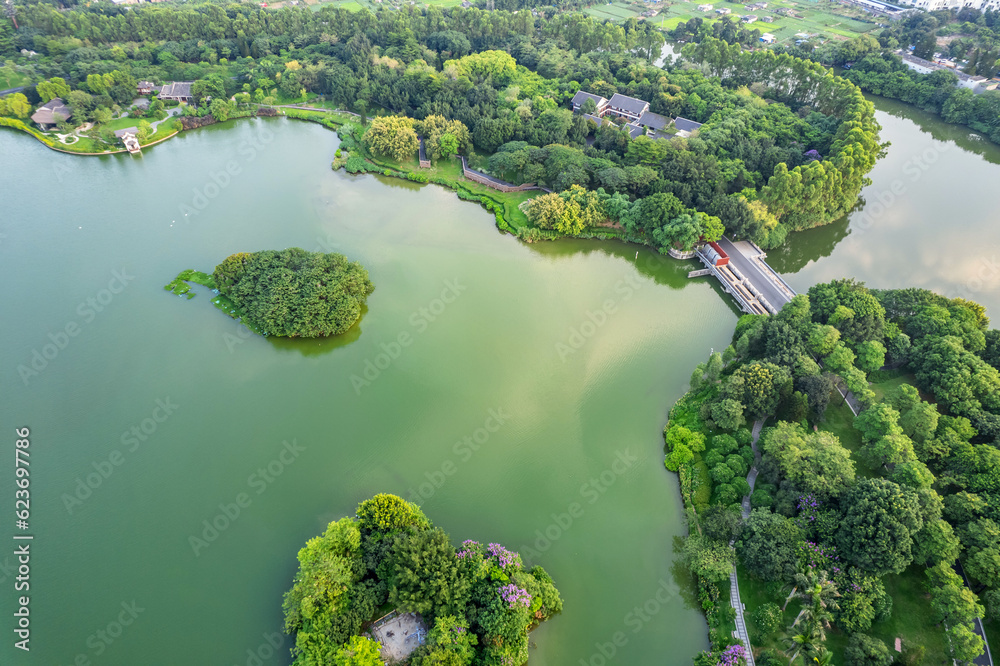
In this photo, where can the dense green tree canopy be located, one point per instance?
(479, 601)
(878, 526)
(295, 293)
(814, 461)
(768, 545)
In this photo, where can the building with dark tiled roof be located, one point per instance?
(48, 115)
(634, 131)
(581, 96)
(685, 127)
(653, 121)
(624, 106)
(177, 90)
(144, 87)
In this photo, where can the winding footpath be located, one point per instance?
(734, 585)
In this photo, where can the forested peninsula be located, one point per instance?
(782, 145)
(478, 602)
(854, 524)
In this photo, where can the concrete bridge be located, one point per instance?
(741, 269)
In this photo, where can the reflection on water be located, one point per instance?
(924, 221)
(932, 124)
(809, 245)
(322, 345)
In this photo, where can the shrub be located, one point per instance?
(356, 164)
(741, 486)
(761, 498)
(724, 443)
(722, 473)
(767, 617)
(864, 650)
(726, 494)
(737, 464)
(713, 458)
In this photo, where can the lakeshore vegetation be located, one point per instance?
(855, 522)
(478, 600)
(784, 145)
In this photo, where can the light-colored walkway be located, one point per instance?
(734, 584)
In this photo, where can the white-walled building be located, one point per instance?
(934, 5)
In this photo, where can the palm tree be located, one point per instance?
(818, 595)
(796, 644)
(807, 633)
(822, 657)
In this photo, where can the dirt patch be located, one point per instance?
(400, 636)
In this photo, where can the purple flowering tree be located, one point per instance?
(734, 655)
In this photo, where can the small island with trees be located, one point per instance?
(478, 601)
(286, 293)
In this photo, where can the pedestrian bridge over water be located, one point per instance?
(741, 269)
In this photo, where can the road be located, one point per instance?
(11, 91)
(985, 659)
(752, 272)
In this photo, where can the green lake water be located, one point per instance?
(533, 383)
(929, 218)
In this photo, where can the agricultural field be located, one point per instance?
(615, 11)
(372, 5)
(820, 17)
(827, 18)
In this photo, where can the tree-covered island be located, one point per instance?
(477, 603)
(286, 293)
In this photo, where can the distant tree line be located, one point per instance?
(762, 168)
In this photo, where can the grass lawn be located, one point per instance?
(452, 171)
(164, 129)
(993, 635)
(123, 123)
(911, 617)
(840, 422)
(754, 594)
(13, 80)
